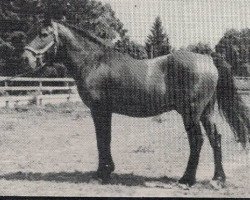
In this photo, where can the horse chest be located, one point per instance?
(84, 94)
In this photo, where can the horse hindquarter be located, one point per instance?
(194, 79)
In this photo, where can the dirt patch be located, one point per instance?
(51, 150)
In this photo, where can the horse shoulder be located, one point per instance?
(97, 80)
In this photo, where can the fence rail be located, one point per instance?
(41, 93)
(242, 78)
(69, 88)
(243, 85)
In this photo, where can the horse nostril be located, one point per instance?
(25, 61)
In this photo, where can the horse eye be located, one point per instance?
(44, 35)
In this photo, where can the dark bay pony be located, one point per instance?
(111, 82)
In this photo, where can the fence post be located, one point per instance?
(39, 99)
(7, 103)
(152, 52)
(69, 91)
(36, 98)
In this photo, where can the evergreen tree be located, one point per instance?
(125, 45)
(157, 43)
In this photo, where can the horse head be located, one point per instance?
(42, 47)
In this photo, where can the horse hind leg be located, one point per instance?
(195, 139)
(209, 123)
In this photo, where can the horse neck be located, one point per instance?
(78, 53)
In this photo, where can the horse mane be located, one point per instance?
(109, 47)
(90, 35)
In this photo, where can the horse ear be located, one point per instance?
(48, 21)
(48, 14)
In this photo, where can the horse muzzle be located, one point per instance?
(29, 61)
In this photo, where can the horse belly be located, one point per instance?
(138, 103)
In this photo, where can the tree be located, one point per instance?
(234, 46)
(16, 18)
(20, 15)
(243, 70)
(89, 15)
(10, 54)
(157, 43)
(200, 48)
(86, 14)
(133, 49)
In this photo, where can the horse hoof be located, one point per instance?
(100, 181)
(105, 181)
(95, 181)
(186, 181)
(103, 178)
(217, 184)
(183, 186)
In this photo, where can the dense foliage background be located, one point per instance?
(18, 16)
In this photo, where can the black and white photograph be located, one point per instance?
(125, 98)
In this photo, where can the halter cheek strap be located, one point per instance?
(39, 53)
(56, 32)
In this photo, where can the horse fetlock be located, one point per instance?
(188, 181)
(106, 166)
(220, 177)
(104, 171)
(104, 176)
(217, 184)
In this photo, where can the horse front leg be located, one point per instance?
(102, 119)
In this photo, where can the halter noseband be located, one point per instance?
(39, 53)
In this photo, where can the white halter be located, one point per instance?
(39, 53)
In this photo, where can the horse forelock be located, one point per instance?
(37, 28)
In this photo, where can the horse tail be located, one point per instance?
(230, 103)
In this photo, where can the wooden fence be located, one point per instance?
(40, 91)
(37, 91)
(243, 85)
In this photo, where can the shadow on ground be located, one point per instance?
(87, 177)
(116, 179)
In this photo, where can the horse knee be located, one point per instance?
(195, 136)
(211, 131)
(198, 141)
(217, 139)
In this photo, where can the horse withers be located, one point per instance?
(112, 82)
